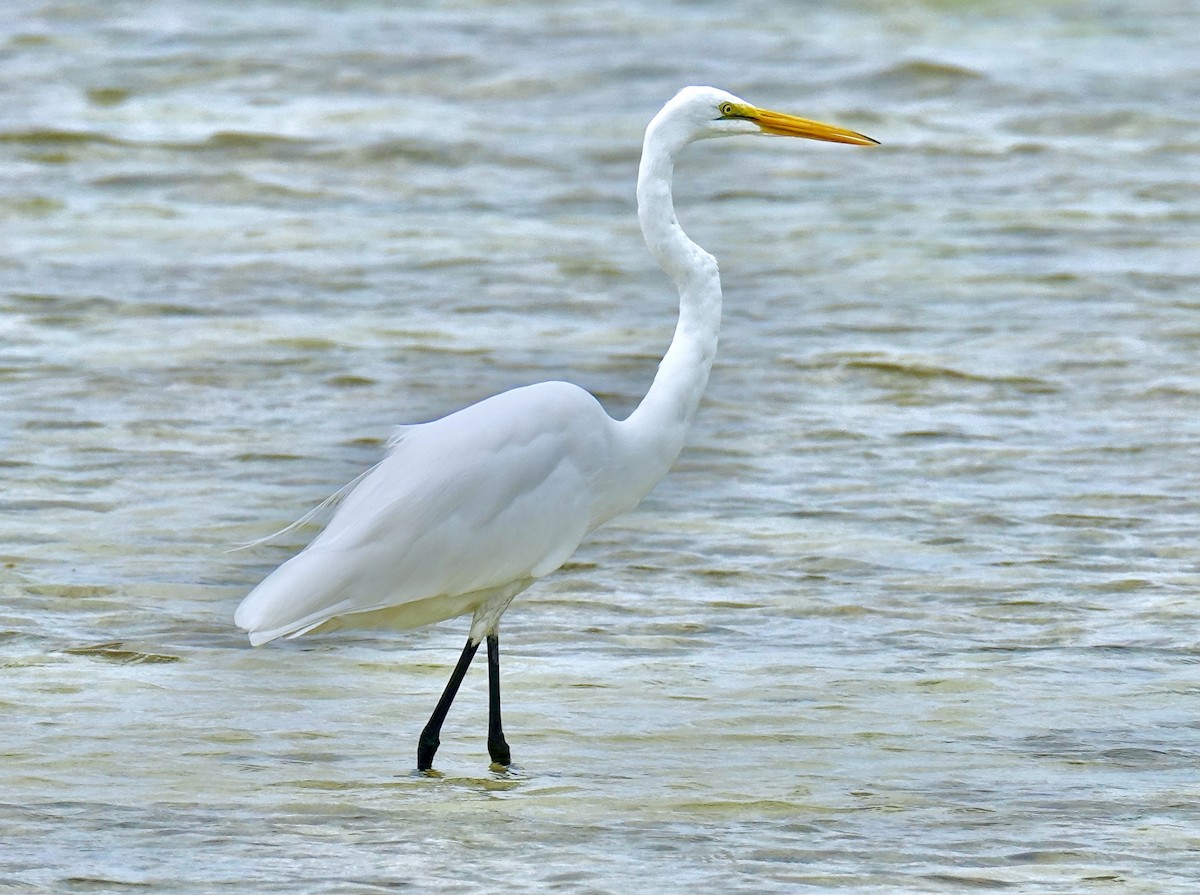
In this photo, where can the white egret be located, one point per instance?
(467, 511)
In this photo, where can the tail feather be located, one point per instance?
(316, 516)
(300, 594)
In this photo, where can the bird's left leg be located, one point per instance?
(497, 746)
(430, 739)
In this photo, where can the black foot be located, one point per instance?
(427, 747)
(500, 753)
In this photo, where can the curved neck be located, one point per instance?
(659, 425)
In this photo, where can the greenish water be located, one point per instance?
(916, 611)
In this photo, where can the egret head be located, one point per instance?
(696, 113)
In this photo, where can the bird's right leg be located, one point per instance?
(497, 746)
(430, 739)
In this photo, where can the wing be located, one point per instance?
(498, 493)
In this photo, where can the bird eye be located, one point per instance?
(726, 109)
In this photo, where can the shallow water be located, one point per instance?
(917, 609)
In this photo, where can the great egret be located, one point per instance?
(467, 511)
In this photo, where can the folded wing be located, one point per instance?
(499, 493)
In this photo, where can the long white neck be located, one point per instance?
(657, 428)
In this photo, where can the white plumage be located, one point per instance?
(526, 473)
(467, 511)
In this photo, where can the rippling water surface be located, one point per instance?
(917, 610)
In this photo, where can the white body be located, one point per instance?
(467, 511)
(526, 474)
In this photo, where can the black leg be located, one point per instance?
(430, 736)
(497, 747)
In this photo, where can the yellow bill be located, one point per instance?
(790, 126)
